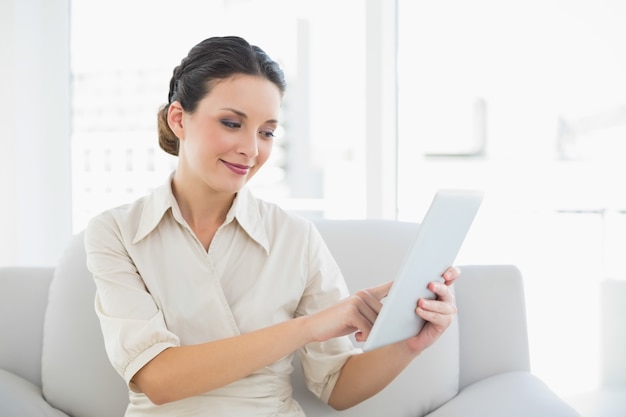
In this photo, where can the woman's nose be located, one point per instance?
(249, 145)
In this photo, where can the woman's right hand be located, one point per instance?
(356, 313)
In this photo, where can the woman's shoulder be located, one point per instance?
(276, 217)
(147, 209)
(121, 221)
(121, 213)
(276, 210)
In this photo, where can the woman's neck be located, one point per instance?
(202, 208)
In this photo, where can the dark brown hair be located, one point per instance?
(212, 60)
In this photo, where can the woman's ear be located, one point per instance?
(175, 119)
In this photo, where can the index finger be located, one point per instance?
(380, 291)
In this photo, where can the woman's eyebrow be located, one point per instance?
(237, 112)
(245, 116)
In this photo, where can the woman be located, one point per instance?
(204, 292)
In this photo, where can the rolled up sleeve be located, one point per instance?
(133, 327)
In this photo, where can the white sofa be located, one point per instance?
(52, 359)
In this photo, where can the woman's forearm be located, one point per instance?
(366, 374)
(184, 371)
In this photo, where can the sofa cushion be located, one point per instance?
(512, 394)
(21, 398)
(77, 376)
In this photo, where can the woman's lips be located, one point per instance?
(237, 168)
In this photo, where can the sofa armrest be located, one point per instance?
(492, 322)
(23, 300)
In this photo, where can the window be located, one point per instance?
(120, 79)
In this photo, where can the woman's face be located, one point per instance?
(229, 136)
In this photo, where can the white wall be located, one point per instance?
(35, 214)
(7, 119)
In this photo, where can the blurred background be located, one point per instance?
(387, 102)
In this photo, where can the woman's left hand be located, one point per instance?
(438, 312)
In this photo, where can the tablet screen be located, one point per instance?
(436, 245)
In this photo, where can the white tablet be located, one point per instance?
(436, 245)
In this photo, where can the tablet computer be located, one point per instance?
(436, 245)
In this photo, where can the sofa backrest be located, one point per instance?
(76, 374)
(370, 252)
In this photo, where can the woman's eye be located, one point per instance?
(231, 124)
(269, 134)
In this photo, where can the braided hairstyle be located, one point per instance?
(212, 60)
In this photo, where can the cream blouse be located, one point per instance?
(157, 287)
